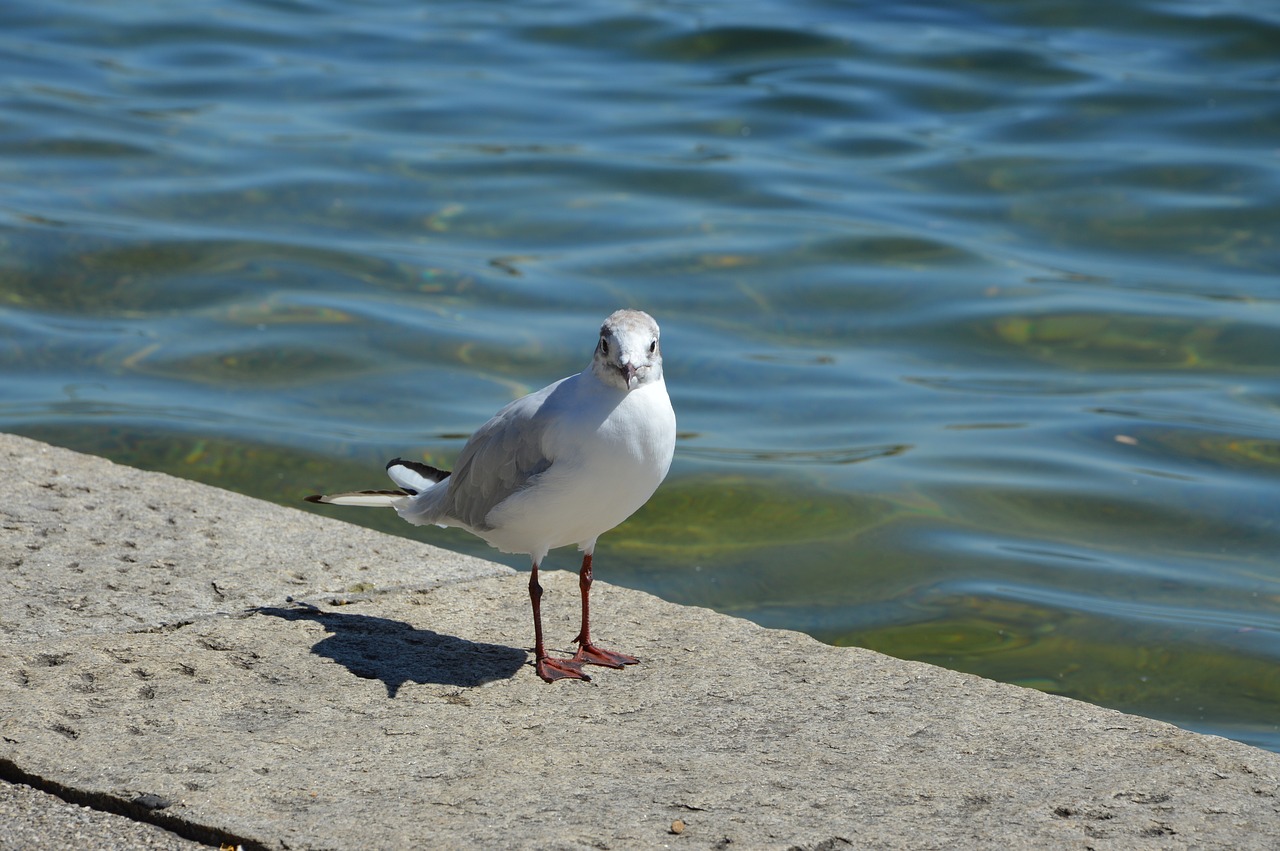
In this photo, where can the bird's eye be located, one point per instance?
(653, 347)
(604, 346)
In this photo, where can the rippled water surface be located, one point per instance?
(969, 309)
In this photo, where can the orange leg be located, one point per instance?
(548, 668)
(588, 653)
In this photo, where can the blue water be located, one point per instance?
(969, 309)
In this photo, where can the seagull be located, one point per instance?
(560, 466)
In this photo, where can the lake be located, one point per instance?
(970, 309)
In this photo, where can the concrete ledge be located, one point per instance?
(151, 666)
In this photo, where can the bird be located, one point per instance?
(558, 467)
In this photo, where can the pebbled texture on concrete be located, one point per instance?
(88, 546)
(39, 821)
(406, 715)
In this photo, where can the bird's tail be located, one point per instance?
(376, 499)
(413, 477)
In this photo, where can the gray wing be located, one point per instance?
(500, 458)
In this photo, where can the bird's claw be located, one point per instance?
(589, 654)
(560, 669)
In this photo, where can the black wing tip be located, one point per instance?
(315, 497)
(435, 474)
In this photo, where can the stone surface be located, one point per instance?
(87, 546)
(405, 713)
(31, 819)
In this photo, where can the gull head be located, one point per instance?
(628, 354)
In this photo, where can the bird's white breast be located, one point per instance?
(608, 460)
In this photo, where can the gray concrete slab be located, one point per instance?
(35, 820)
(405, 714)
(89, 546)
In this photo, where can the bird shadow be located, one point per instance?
(395, 652)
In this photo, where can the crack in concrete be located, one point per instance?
(143, 808)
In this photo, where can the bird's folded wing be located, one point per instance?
(501, 458)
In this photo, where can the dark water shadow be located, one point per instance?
(396, 653)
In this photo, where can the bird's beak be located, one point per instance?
(628, 372)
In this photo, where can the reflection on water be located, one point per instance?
(969, 310)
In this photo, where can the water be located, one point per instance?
(969, 309)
